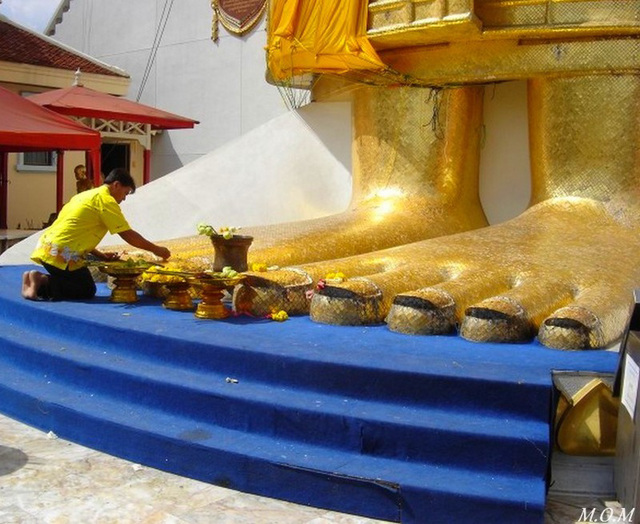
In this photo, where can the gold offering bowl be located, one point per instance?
(154, 289)
(178, 298)
(124, 280)
(212, 290)
(174, 287)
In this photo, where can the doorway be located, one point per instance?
(114, 155)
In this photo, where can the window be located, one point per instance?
(37, 161)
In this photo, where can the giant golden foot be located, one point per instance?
(415, 176)
(560, 270)
(564, 269)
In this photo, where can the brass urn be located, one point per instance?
(231, 252)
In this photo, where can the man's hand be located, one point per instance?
(109, 257)
(137, 240)
(106, 257)
(162, 252)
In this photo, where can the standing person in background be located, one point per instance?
(83, 183)
(79, 228)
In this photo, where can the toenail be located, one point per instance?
(413, 302)
(337, 292)
(564, 322)
(486, 313)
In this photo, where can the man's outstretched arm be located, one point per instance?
(137, 240)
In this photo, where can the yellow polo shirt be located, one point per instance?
(81, 225)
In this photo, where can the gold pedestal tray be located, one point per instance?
(124, 280)
(212, 290)
(179, 298)
(154, 289)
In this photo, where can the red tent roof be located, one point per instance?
(25, 126)
(82, 101)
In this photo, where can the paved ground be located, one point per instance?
(44, 479)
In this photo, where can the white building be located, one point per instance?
(168, 51)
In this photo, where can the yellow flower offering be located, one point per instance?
(154, 273)
(337, 276)
(280, 316)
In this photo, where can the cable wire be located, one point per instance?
(154, 47)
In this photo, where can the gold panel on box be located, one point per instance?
(586, 420)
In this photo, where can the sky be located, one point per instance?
(33, 14)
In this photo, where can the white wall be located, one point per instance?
(505, 171)
(219, 84)
(281, 171)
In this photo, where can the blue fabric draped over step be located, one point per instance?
(355, 419)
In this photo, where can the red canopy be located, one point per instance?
(82, 101)
(25, 126)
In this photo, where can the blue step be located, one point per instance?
(359, 420)
(267, 351)
(376, 487)
(411, 432)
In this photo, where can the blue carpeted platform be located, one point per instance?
(355, 419)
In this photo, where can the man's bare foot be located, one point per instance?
(31, 283)
(26, 284)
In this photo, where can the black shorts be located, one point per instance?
(68, 285)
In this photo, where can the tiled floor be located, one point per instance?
(44, 479)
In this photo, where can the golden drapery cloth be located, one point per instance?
(319, 36)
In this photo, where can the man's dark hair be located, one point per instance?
(121, 175)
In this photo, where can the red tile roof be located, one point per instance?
(22, 46)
